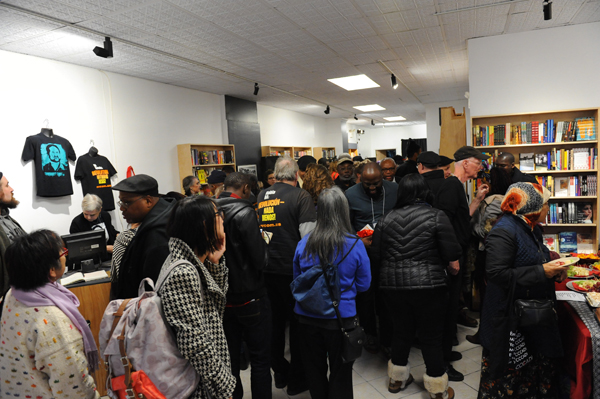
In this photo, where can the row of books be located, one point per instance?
(275, 153)
(570, 213)
(570, 186)
(561, 159)
(211, 157)
(570, 241)
(535, 132)
(328, 154)
(298, 154)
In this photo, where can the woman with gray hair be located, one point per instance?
(332, 243)
(94, 218)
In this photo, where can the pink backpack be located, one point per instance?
(149, 341)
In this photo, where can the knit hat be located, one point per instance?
(525, 200)
(217, 176)
(304, 161)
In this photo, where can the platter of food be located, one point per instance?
(564, 261)
(593, 299)
(581, 272)
(584, 285)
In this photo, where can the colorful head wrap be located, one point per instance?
(525, 200)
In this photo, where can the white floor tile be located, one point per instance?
(367, 391)
(381, 384)
(472, 380)
(463, 391)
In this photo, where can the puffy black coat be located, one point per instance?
(412, 246)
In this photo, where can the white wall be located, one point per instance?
(132, 122)
(280, 127)
(432, 118)
(387, 138)
(542, 70)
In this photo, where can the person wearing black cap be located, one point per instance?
(452, 200)
(506, 161)
(410, 166)
(445, 163)
(303, 162)
(345, 168)
(145, 254)
(215, 182)
(427, 165)
(9, 228)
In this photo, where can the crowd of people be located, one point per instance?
(396, 233)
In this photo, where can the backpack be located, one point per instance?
(149, 341)
(310, 288)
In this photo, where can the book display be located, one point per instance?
(201, 159)
(324, 152)
(561, 150)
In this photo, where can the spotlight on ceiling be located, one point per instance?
(106, 51)
(372, 122)
(547, 10)
(355, 118)
(256, 89)
(394, 82)
(327, 110)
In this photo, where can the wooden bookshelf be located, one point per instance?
(301, 151)
(188, 167)
(537, 148)
(328, 151)
(268, 151)
(382, 154)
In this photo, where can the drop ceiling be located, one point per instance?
(290, 47)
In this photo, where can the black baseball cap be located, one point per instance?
(138, 184)
(304, 161)
(444, 160)
(217, 176)
(468, 152)
(429, 159)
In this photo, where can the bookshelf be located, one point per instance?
(301, 151)
(268, 151)
(201, 159)
(324, 152)
(517, 133)
(382, 154)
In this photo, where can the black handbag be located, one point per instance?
(535, 312)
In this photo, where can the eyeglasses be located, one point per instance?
(220, 213)
(127, 204)
(388, 169)
(64, 252)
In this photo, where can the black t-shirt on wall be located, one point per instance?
(51, 161)
(95, 173)
(282, 208)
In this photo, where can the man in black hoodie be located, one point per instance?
(248, 311)
(139, 202)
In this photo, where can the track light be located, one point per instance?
(547, 10)
(355, 118)
(327, 110)
(106, 51)
(256, 89)
(394, 82)
(372, 122)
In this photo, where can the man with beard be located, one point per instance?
(506, 161)
(345, 170)
(368, 201)
(9, 228)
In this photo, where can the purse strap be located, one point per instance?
(129, 392)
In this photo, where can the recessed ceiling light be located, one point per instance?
(356, 82)
(395, 118)
(369, 108)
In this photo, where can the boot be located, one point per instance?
(400, 377)
(438, 387)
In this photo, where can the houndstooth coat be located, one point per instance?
(194, 308)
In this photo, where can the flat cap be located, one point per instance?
(429, 159)
(217, 176)
(345, 157)
(304, 161)
(468, 152)
(138, 184)
(444, 160)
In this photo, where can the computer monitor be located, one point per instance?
(88, 245)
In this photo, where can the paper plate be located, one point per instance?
(564, 261)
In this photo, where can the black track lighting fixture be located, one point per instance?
(256, 89)
(394, 82)
(355, 118)
(327, 110)
(547, 4)
(106, 51)
(372, 122)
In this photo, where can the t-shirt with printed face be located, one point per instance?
(282, 208)
(51, 159)
(95, 173)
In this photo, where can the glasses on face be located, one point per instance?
(388, 169)
(220, 213)
(64, 252)
(127, 204)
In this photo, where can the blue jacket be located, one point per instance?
(354, 273)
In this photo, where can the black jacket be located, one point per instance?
(434, 180)
(146, 253)
(246, 252)
(80, 224)
(519, 177)
(406, 168)
(411, 248)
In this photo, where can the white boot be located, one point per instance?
(400, 377)
(438, 387)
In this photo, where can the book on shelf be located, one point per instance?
(526, 162)
(201, 175)
(211, 157)
(585, 128)
(79, 277)
(561, 186)
(551, 241)
(541, 161)
(585, 212)
(567, 241)
(328, 154)
(585, 243)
